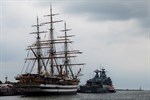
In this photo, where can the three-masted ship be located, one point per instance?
(54, 67)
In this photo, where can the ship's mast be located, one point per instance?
(52, 46)
(37, 53)
(66, 62)
(38, 48)
(66, 50)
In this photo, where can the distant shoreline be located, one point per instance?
(129, 90)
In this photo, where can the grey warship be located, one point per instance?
(100, 83)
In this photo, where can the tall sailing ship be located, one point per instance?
(52, 60)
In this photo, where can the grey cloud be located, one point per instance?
(104, 10)
(111, 10)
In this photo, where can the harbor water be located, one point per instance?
(119, 95)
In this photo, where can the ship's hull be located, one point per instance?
(49, 89)
(96, 89)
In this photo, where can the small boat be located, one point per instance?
(9, 88)
(98, 84)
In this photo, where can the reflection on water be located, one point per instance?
(119, 95)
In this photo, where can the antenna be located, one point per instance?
(100, 67)
(6, 79)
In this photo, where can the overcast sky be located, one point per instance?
(112, 33)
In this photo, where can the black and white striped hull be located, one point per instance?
(50, 89)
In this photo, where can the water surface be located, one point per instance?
(119, 95)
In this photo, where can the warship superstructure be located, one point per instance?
(100, 83)
(49, 65)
